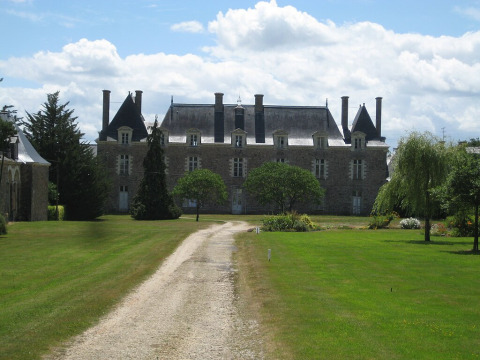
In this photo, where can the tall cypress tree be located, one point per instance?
(153, 200)
(80, 180)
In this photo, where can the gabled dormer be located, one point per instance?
(239, 138)
(280, 139)
(194, 137)
(358, 140)
(320, 140)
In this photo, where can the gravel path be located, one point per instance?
(187, 310)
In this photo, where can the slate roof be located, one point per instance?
(128, 115)
(300, 122)
(26, 151)
(364, 123)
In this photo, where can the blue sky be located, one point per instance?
(422, 57)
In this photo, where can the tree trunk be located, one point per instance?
(427, 228)
(475, 230)
(198, 210)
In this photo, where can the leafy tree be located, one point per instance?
(283, 185)
(420, 166)
(203, 186)
(462, 188)
(81, 182)
(7, 130)
(153, 201)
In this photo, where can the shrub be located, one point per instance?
(3, 225)
(381, 221)
(438, 230)
(52, 212)
(410, 223)
(461, 224)
(288, 222)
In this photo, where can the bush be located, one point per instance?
(438, 230)
(410, 223)
(378, 221)
(461, 224)
(3, 225)
(288, 222)
(52, 212)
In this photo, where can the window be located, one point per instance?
(320, 168)
(124, 165)
(281, 142)
(237, 167)
(238, 141)
(357, 170)
(162, 139)
(125, 137)
(358, 143)
(193, 140)
(192, 163)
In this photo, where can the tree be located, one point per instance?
(283, 185)
(7, 130)
(203, 186)
(153, 201)
(81, 182)
(420, 166)
(462, 188)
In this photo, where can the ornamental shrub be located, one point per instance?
(438, 229)
(288, 222)
(461, 224)
(410, 223)
(381, 221)
(52, 212)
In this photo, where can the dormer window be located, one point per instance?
(239, 138)
(280, 139)
(163, 137)
(320, 140)
(358, 141)
(125, 135)
(238, 141)
(193, 137)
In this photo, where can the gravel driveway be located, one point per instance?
(187, 310)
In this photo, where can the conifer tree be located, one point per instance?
(81, 181)
(153, 200)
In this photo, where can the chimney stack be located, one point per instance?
(138, 100)
(219, 119)
(379, 116)
(259, 119)
(106, 110)
(345, 112)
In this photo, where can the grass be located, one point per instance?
(364, 294)
(58, 278)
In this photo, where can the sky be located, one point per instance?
(422, 57)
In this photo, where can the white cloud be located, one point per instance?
(188, 26)
(471, 12)
(292, 58)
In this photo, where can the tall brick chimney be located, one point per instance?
(219, 119)
(106, 110)
(379, 116)
(138, 99)
(345, 112)
(259, 119)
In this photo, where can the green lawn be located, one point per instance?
(364, 294)
(58, 278)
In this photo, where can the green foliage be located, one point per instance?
(52, 213)
(203, 186)
(81, 181)
(420, 166)
(288, 222)
(153, 201)
(283, 186)
(52, 193)
(410, 223)
(3, 225)
(381, 221)
(461, 224)
(462, 190)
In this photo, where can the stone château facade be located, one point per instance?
(231, 139)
